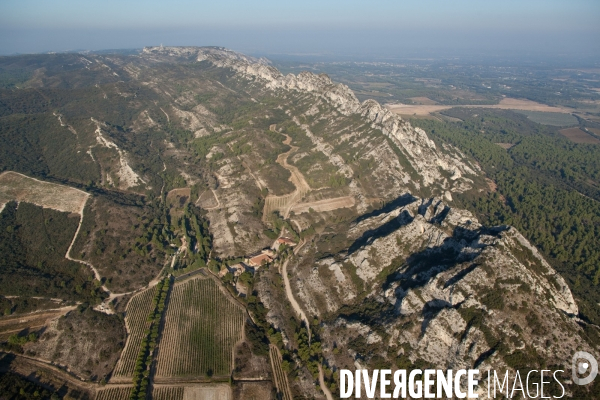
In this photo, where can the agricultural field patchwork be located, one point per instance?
(201, 327)
(549, 118)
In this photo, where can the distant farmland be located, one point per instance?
(505, 104)
(201, 327)
(578, 136)
(549, 118)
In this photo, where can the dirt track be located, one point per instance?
(32, 321)
(28, 366)
(325, 205)
(286, 202)
(291, 201)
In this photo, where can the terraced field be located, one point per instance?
(200, 330)
(137, 313)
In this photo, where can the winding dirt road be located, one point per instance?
(286, 202)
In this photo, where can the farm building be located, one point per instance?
(259, 260)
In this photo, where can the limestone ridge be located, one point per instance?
(462, 288)
(445, 168)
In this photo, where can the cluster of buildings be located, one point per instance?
(253, 262)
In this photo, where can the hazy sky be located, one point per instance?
(378, 27)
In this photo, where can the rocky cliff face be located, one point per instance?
(425, 284)
(434, 166)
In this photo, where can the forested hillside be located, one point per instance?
(547, 187)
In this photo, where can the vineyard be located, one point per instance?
(167, 393)
(201, 327)
(114, 393)
(136, 320)
(281, 380)
(146, 353)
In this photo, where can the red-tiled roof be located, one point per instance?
(260, 259)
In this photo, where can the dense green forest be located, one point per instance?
(547, 187)
(33, 243)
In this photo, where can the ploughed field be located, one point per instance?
(577, 135)
(201, 327)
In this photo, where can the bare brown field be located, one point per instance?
(207, 392)
(15, 186)
(325, 205)
(177, 200)
(285, 203)
(576, 135)
(505, 104)
(426, 101)
(253, 391)
(594, 130)
(167, 393)
(33, 321)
